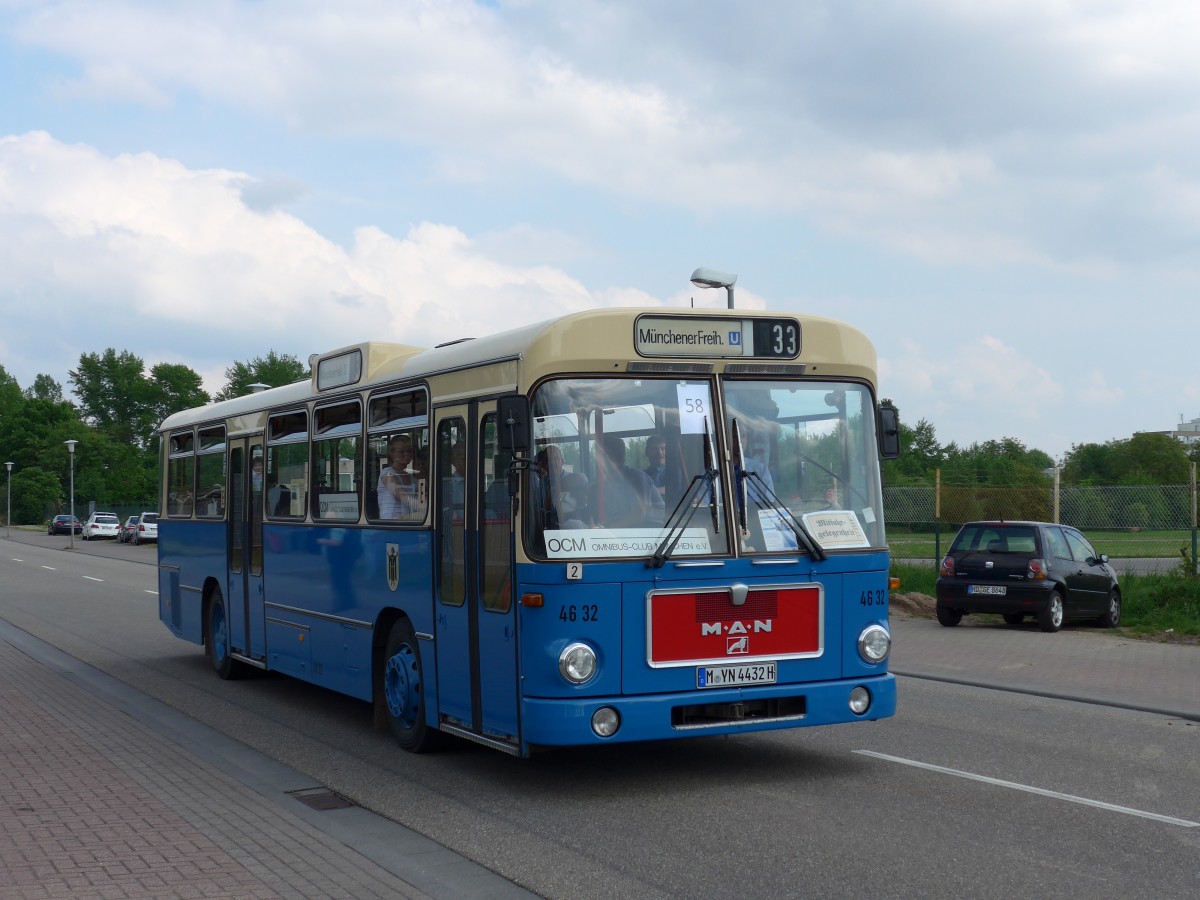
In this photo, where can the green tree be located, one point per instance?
(45, 388)
(36, 496)
(174, 388)
(114, 395)
(273, 370)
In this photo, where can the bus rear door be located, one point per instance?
(244, 586)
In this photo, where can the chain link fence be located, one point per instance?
(1144, 528)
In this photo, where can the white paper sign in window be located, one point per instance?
(693, 408)
(836, 529)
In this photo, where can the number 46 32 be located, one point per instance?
(873, 598)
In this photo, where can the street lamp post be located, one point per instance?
(71, 525)
(8, 518)
(711, 278)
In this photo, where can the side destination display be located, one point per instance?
(716, 336)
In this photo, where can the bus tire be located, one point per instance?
(219, 653)
(403, 690)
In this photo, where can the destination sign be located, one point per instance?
(716, 336)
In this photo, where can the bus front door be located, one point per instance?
(475, 620)
(244, 585)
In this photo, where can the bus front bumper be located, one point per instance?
(650, 717)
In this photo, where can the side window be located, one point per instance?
(210, 473)
(397, 488)
(494, 519)
(452, 525)
(181, 464)
(337, 462)
(1058, 544)
(287, 465)
(1079, 547)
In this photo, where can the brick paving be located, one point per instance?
(94, 804)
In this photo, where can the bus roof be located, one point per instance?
(594, 341)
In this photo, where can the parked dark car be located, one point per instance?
(1020, 569)
(62, 525)
(127, 529)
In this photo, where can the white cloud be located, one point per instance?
(909, 124)
(178, 250)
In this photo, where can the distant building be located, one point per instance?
(1188, 432)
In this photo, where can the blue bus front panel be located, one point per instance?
(800, 622)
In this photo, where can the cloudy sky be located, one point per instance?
(1004, 195)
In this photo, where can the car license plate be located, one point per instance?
(735, 676)
(997, 589)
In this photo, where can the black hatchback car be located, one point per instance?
(1020, 569)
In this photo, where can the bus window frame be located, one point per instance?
(288, 438)
(206, 452)
(175, 456)
(386, 430)
(333, 434)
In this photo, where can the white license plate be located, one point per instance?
(735, 676)
(998, 589)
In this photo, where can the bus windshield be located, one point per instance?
(806, 451)
(614, 458)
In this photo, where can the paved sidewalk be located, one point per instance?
(1077, 663)
(99, 798)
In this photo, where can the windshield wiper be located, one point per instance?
(686, 508)
(773, 503)
(777, 506)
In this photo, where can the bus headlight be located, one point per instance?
(577, 663)
(605, 721)
(860, 700)
(874, 644)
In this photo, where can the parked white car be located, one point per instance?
(101, 525)
(146, 528)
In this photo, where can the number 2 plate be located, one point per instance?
(735, 676)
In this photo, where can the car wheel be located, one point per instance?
(948, 617)
(137, 541)
(402, 690)
(1051, 618)
(1112, 613)
(223, 662)
(1013, 618)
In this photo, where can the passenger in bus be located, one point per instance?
(668, 477)
(572, 500)
(545, 484)
(622, 497)
(754, 462)
(399, 493)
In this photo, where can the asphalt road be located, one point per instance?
(966, 792)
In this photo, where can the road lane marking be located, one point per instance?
(90, 578)
(14, 559)
(51, 568)
(155, 593)
(1055, 795)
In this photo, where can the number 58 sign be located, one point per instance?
(693, 407)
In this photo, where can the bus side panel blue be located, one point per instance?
(188, 553)
(866, 603)
(331, 585)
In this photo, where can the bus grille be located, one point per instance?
(711, 715)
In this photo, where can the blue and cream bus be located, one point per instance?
(619, 525)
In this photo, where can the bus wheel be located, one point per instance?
(404, 690)
(218, 637)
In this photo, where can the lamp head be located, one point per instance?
(711, 278)
(71, 446)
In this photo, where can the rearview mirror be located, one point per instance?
(888, 421)
(512, 414)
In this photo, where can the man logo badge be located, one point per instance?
(393, 566)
